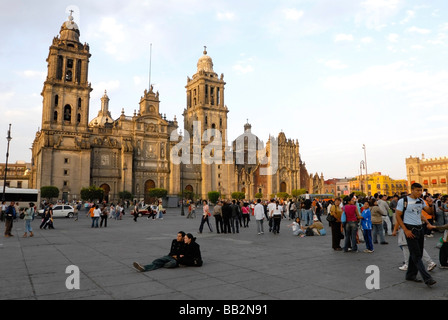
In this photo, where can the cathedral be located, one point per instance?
(145, 150)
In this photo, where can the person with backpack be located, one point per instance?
(409, 216)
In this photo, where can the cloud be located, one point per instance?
(241, 68)
(393, 37)
(418, 30)
(225, 16)
(333, 64)
(109, 86)
(292, 14)
(409, 16)
(374, 14)
(367, 40)
(343, 38)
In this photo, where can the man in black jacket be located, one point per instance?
(168, 261)
(10, 215)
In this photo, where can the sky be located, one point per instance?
(335, 75)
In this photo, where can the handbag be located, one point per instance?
(331, 218)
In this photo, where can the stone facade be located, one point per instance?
(431, 173)
(139, 152)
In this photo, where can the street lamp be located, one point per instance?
(361, 166)
(6, 165)
(365, 163)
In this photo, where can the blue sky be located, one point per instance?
(333, 74)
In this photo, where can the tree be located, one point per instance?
(238, 195)
(92, 193)
(259, 195)
(49, 192)
(157, 193)
(213, 196)
(298, 192)
(125, 195)
(283, 195)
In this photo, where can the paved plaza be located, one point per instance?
(243, 266)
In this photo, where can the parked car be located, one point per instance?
(147, 210)
(61, 210)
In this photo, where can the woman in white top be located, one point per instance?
(276, 214)
(96, 216)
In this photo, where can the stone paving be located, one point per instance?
(243, 266)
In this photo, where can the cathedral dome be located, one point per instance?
(70, 30)
(205, 63)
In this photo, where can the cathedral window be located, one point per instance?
(67, 113)
(69, 63)
(79, 118)
(55, 116)
(56, 100)
(59, 68)
(79, 103)
(78, 71)
(206, 120)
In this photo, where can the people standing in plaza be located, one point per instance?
(29, 216)
(443, 254)
(95, 215)
(292, 210)
(245, 215)
(160, 210)
(352, 217)
(10, 214)
(307, 213)
(259, 216)
(235, 221)
(170, 260)
(276, 215)
(104, 216)
(384, 207)
(366, 225)
(409, 216)
(77, 209)
(217, 214)
(377, 222)
(226, 217)
(205, 217)
(336, 226)
(270, 207)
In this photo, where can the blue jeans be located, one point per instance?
(368, 239)
(351, 229)
(235, 224)
(307, 217)
(95, 222)
(28, 226)
(378, 230)
(164, 262)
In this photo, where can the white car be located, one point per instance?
(64, 211)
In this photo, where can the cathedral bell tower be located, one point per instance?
(66, 91)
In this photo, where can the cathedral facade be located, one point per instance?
(144, 151)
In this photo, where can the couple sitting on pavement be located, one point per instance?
(317, 228)
(184, 251)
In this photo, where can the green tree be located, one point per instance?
(125, 195)
(49, 192)
(213, 196)
(157, 193)
(283, 195)
(238, 195)
(259, 195)
(92, 193)
(298, 192)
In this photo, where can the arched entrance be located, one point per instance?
(189, 192)
(149, 184)
(106, 189)
(283, 187)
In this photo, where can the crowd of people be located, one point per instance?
(353, 221)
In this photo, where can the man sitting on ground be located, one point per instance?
(168, 261)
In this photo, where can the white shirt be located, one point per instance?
(259, 211)
(271, 207)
